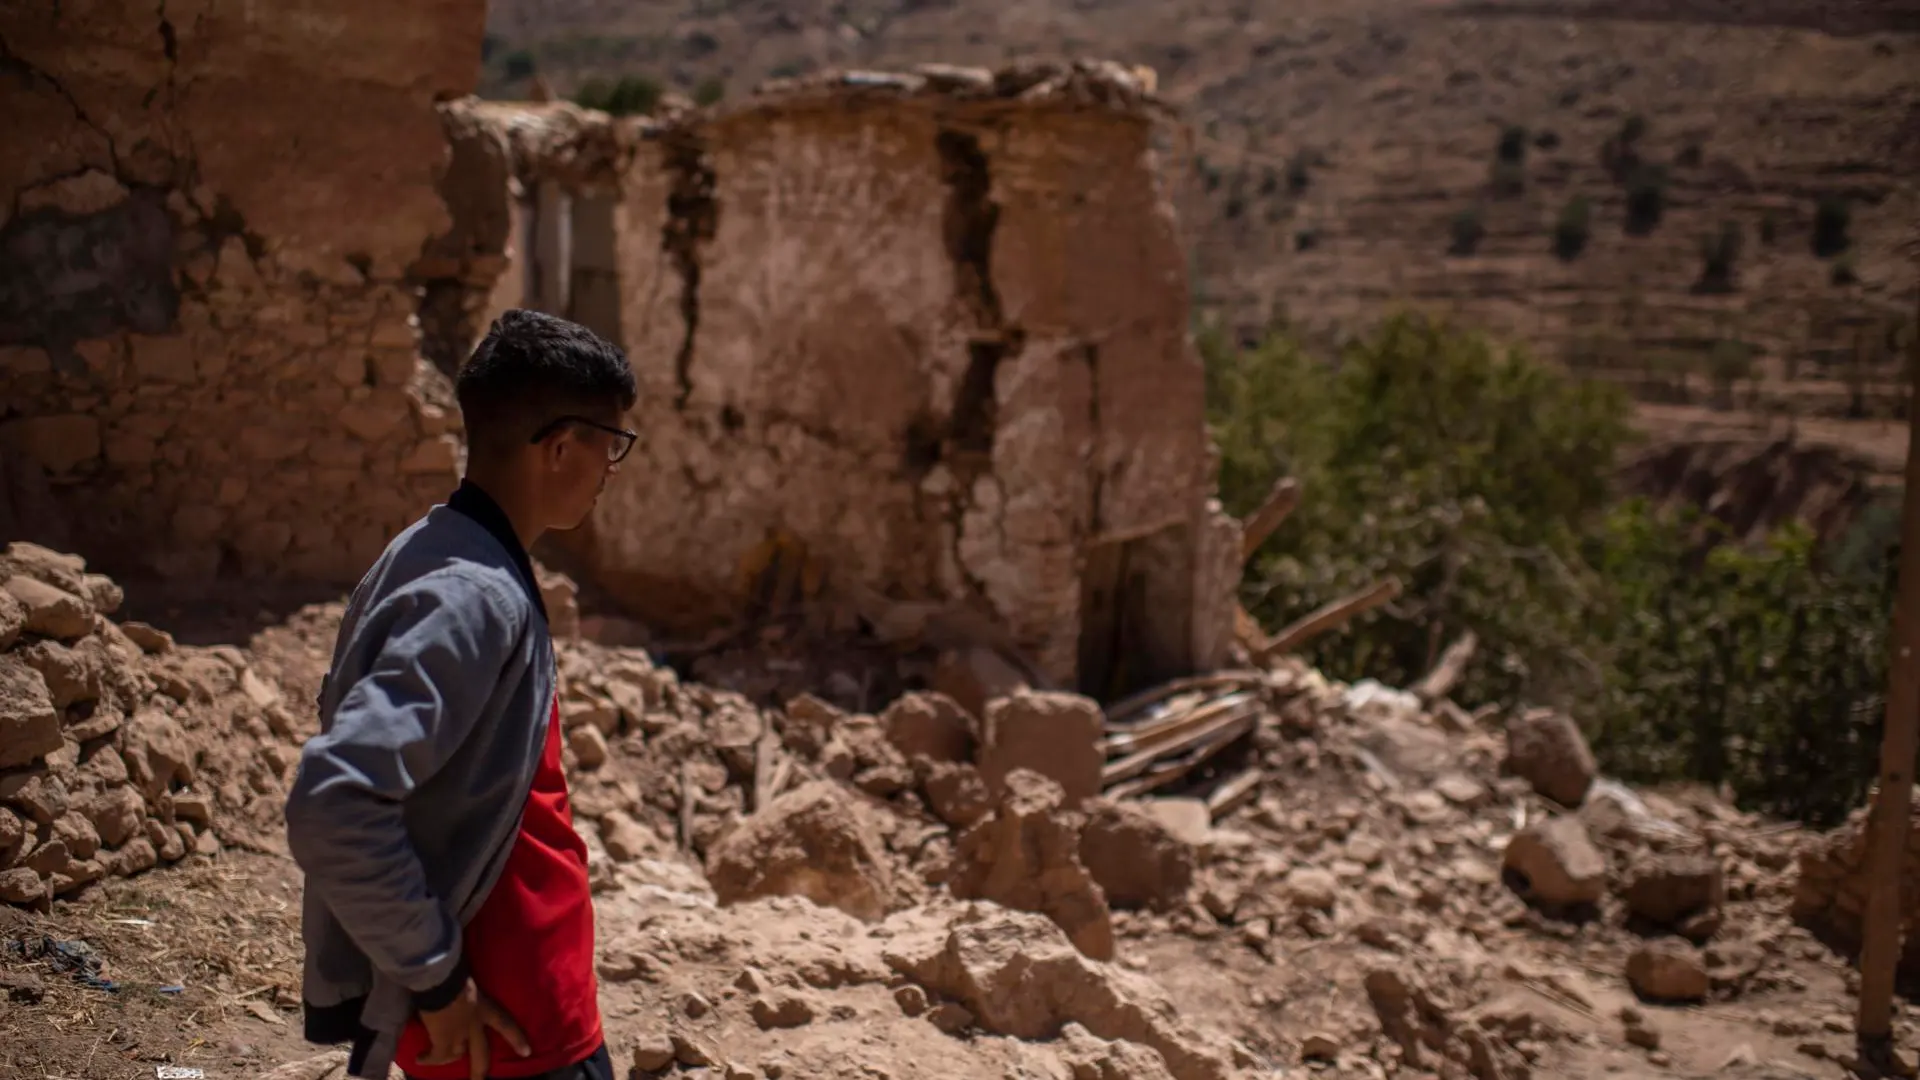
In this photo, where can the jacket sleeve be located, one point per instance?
(446, 638)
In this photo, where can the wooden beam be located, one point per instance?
(1280, 503)
(1887, 824)
(1453, 662)
(1330, 616)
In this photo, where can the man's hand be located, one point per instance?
(461, 1028)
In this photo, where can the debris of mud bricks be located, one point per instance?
(1830, 891)
(1026, 856)
(118, 749)
(1547, 750)
(1056, 735)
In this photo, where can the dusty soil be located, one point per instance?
(1354, 907)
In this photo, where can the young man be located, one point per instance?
(447, 921)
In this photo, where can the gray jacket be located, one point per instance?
(432, 721)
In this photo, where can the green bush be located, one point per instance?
(1718, 254)
(1513, 144)
(710, 91)
(517, 65)
(1831, 220)
(631, 95)
(1571, 230)
(1467, 232)
(1484, 481)
(1646, 199)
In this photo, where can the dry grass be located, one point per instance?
(206, 960)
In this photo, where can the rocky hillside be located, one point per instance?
(1553, 171)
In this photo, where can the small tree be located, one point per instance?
(1299, 173)
(1508, 179)
(1571, 230)
(632, 95)
(1831, 221)
(1467, 232)
(1620, 154)
(1728, 363)
(1513, 144)
(710, 91)
(1718, 253)
(1646, 199)
(517, 65)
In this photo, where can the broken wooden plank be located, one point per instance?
(1453, 662)
(1331, 616)
(1280, 503)
(1121, 711)
(1169, 771)
(1240, 721)
(1234, 793)
(1167, 730)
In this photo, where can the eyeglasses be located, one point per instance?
(622, 443)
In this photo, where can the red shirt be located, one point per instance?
(530, 946)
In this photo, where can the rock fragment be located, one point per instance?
(929, 725)
(1026, 857)
(1668, 971)
(1546, 749)
(1553, 864)
(1134, 858)
(1056, 735)
(809, 842)
(29, 724)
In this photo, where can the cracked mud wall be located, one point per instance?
(208, 216)
(933, 349)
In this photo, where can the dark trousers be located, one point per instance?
(597, 1067)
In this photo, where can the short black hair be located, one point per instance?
(532, 367)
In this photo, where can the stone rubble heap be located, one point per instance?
(120, 750)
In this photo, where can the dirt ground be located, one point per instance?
(1365, 870)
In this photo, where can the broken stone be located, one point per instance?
(974, 676)
(166, 841)
(911, 999)
(1665, 890)
(22, 885)
(75, 831)
(653, 1052)
(808, 842)
(1313, 888)
(150, 640)
(13, 837)
(1026, 857)
(41, 796)
(1546, 749)
(13, 619)
(929, 725)
(136, 857)
(625, 839)
(695, 1006)
(1056, 735)
(1019, 976)
(781, 1011)
(1319, 1046)
(192, 806)
(955, 791)
(950, 1017)
(1553, 864)
(589, 746)
(1188, 820)
(51, 612)
(156, 752)
(118, 813)
(29, 724)
(1136, 860)
(1667, 971)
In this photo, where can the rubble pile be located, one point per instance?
(1830, 891)
(120, 750)
(959, 893)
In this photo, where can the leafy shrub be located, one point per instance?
(1483, 480)
(1299, 173)
(1467, 232)
(710, 91)
(1513, 144)
(1831, 220)
(631, 95)
(1718, 254)
(517, 65)
(1571, 230)
(1508, 179)
(1728, 362)
(1646, 199)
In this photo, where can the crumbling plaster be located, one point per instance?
(208, 214)
(927, 336)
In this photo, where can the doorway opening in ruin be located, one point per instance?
(1134, 620)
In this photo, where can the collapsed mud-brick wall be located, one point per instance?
(901, 339)
(209, 220)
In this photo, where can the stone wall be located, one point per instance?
(1830, 891)
(908, 340)
(209, 215)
